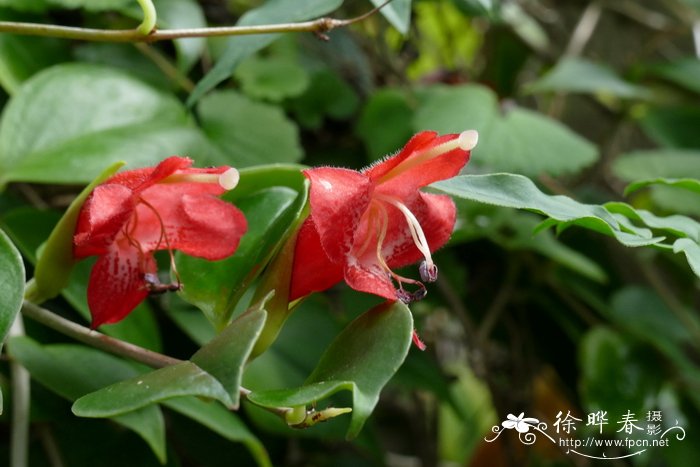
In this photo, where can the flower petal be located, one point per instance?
(436, 215)
(117, 284)
(418, 141)
(140, 179)
(101, 218)
(312, 270)
(338, 198)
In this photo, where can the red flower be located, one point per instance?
(363, 224)
(134, 213)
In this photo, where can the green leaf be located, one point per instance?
(24, 56)
(72, 371)
(91, 5)
(673, 126)
(531, 143)
(669, 163)
(397, 12)
(328, 95)
(684, 72)
(225, 356)
(523, 141)
(580, 75)
(248, 132)
(119, 118)
(26, 5)
(274, 11)
(362, 359)
(678, 225)
(517, 191)
(183, 14)
(272, 78)
(11, 285)
(56, 261)
(385, 122)
(216, 287)
(615, 375)
(182, 379)
(642, 313)
(689, 184)
(221, 421)
(691, 249)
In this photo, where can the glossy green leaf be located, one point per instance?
(127, 58)
(580, 75)
(517, 191)
(183, 14)
(72, 371)
(55, 263)
(225, 356)
(521, 140)
(120, 119)
(11, 285)
(248, 132)
(362, 358)
(216, 287)
(397, 12)
(524, 26)
(179, 380)
(272, 78)
(238, 48)
(221, 421)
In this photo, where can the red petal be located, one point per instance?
(140, 179)
(417, 142)
(191, 218)
(207, 227)
(338, 198)
(368, 276)
(116, 285)
(101, 218)
(312, 270)
(436, 215)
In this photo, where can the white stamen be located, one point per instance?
(467, 139)
(414, 227)
(229, 179)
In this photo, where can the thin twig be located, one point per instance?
(97, 339)
(584, 29)
(498, 305)
(165, 66)
(318, 26)
(115, 346)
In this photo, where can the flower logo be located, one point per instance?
(522, 425)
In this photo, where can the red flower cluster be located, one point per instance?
(364, 224)
(135, 213)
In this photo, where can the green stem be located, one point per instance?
(149, 17)
(21, 388)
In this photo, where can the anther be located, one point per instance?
(405, 297)
(428, 271)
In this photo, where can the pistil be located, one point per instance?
(227, 180)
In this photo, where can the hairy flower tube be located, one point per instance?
(363, 225)
(137, 212)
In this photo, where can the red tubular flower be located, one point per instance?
(134, 213)
(363, 224)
